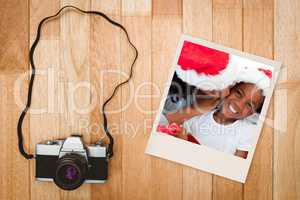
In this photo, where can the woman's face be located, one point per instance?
(244, 99)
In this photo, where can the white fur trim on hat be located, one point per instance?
(203, 81)
(252, 72)
(239, 69)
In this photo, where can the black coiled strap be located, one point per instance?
(31, 54)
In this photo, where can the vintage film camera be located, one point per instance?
(70, 163)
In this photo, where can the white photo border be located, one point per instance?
(200, 156)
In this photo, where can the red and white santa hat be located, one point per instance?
(211, 69)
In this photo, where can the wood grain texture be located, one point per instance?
(165, 7)
(44, 125)
(77, 49)
(44, 121)
(258, 40)
(135, 128)
(75, 68)
(136, 8)
(197, 21)
(166, 31)
(286, 140)
(40, 10)
(227, 30)
(105, 75)
(14, 169)
(14, 36)
(198, 18)
(135, 165)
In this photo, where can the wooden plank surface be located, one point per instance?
(135, 165)
(38, 12)
(104, 77)
(44, 124)
(14, 35)
(74, 65)
(258, 40)
(166, 31)
(75, 49)
(15, 171)
(286, 119)
(136, 172)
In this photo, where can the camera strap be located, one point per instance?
(31, 55)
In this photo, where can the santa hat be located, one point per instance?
(211, 69)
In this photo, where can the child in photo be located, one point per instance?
(222, 122)
(225, 128)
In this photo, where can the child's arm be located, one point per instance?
(178, 131)
(240, 153)
(183, 134)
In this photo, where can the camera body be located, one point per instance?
(69, 163)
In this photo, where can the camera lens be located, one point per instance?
(71, 171)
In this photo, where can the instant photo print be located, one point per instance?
(213, 109)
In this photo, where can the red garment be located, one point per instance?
(191, 138)
(171, 129)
